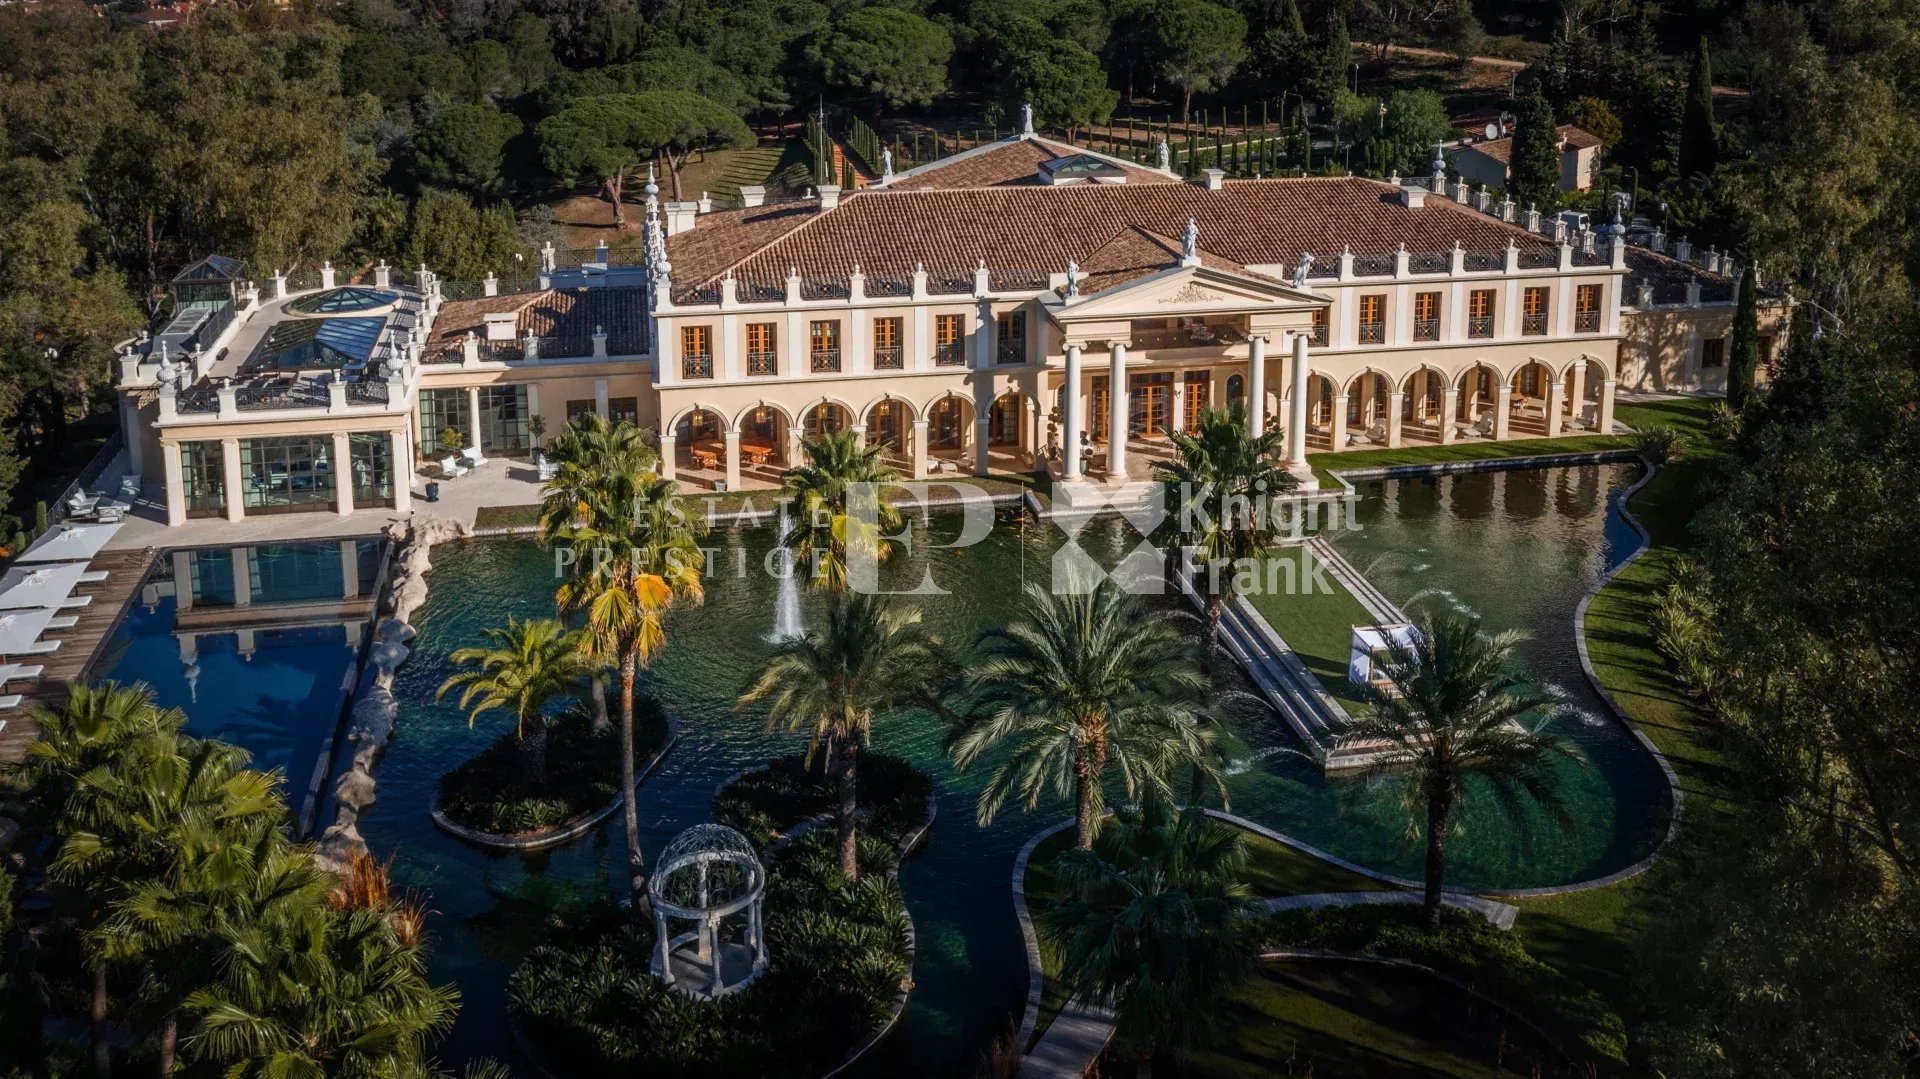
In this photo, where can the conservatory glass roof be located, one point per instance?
(349, 299)
(306, 344)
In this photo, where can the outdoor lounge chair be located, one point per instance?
(473, 456)
(40, 648)
(65, 622)
(11, 700)
(451, 468)
(92, 577)
(27, 674)
(73, 603)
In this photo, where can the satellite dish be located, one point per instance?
(1492, 131)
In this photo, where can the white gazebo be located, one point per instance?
(1371, 647)
(710, 877)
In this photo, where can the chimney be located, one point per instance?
(1413, 197)
(1683, 250)
(681, 217)
(1213, 178)
(829, 197)
(752, 195)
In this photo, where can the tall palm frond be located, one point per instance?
(841, 512)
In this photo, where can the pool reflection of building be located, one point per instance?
(249, 592)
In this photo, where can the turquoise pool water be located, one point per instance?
(1519, 548)
(269, 672)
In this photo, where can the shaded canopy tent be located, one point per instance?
(69, 542)
(1372, 646)
(46, 585)
(709, 875)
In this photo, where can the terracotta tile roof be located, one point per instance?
(1246, 222)
(1669, 277)
(1012, 163)
(456, 317)
(1501, 150)
(1134, 253)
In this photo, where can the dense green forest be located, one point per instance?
(1782, 930)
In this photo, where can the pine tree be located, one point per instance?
(1699, 139)
(1534, 172)
(1746, 341)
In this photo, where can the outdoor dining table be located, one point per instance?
(706, 454)
(48, 585)
(756, 451)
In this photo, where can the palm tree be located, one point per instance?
(842, 513)
(1220, 488)
(1454, 713)
(321, 993)
(1084, 681)
(870, 657)
(1155, 923)
(637, 552)
(89, 736)
(525, 667)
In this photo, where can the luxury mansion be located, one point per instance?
(980, 313)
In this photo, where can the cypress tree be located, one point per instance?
(1534, 171)
(1699, 140)
(1746, 341)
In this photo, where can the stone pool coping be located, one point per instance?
(557, 834)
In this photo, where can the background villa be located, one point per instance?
(972, 315)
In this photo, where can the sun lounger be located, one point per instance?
(26, 673)
(11, 700)
(92, 577)
(74, 603)
(451, 468)
(40, 648)
(67, 622)
(473, 456)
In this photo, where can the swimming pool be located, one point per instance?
(1519, 548)
(257, 644)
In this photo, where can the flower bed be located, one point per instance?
(586, 1004)
(495, 794)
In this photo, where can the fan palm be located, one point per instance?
(1453, 715)
(1082, 683)
(842, 515)
(637, 553)
(88, 736)
(1154, 923)
(523, 669)
(1220, 487)
(870, 657)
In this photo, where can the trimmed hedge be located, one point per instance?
(589, 1006)
(494, 793)
(1466, 948)
(763, 804)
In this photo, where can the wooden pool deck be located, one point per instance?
(126, 569)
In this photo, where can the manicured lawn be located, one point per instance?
(1326, 464)
(1334, 1020)
(1317, 625)
(1273, 869)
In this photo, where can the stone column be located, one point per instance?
(1177, 412)
(981, 459)
(175, 479)
(1395, 402)
(859, 434)
(342, 473)
(402, 471)
(231, 480)
(917, 448)
(473, 419)
(242, 572)
(134, 434)
(1502, 409)
(349, 569)
(667, 465)
(1449, 402)
(1605, 418)
(1340, 423)
(1577, 388)
(1556, 404)
(1257, 386)
(1297, 421)
(1118, 405)
(733, 460)
(1071, 425)
(600, 397)
(665, 946)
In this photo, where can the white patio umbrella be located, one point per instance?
(46, 585)
(69, 542)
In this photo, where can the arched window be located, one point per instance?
(1236, 389)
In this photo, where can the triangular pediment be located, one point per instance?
(1186, 290)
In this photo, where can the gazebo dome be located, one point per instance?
(710, 876)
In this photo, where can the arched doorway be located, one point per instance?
(763, 437)
(1531, 385)
(825, 418)
(1479, 388)
(1423, 397)
(699, 441)
(947, 424)
(1006, 420)
(887, 424)
(1320, 418)
(1368, 400)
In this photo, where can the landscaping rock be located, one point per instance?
(355, 791)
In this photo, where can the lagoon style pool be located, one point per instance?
(1519, 548)
(257, 644)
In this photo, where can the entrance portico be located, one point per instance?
(1183, 339)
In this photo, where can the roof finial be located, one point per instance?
(1026, 118)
